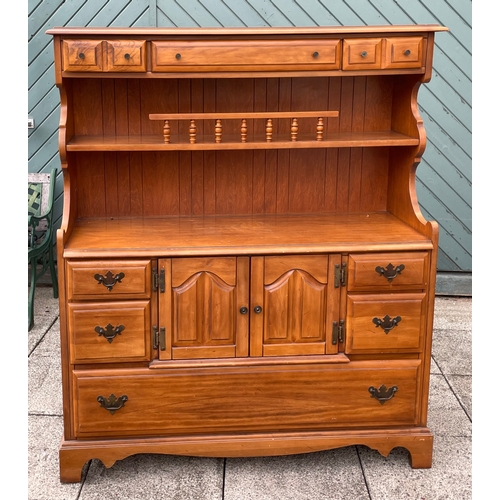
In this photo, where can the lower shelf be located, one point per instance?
(243, 234)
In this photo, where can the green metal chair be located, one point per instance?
(40, 233)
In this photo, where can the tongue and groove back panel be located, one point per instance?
(203, 182)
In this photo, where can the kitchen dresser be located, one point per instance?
(244, 269)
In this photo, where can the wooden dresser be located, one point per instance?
(243, 266)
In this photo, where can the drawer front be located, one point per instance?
(114, 279)
(275, 55)
(244, 399)
(109, 331)
(362, 53)
(126, 55)
(385, 323)
(82, 55)
(405, 52)
(388, 271)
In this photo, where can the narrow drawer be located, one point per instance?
(109, 331)
(176, 401)
(385, 323)
(82, 55)
(362, 54)
(404, 52)
(113, 279)
(388, 271)
(126, 55)
(249, 55)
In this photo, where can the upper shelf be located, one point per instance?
(156, 142)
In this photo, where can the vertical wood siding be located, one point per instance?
(444, 177)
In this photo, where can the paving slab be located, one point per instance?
(46, 310)
(328, 475)
(450, 477)
(453, 313)
(452, 351)
(446, 417)
(44, 437)
(461, 386)
(44, 375)
(155, 477)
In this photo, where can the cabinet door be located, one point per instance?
(294, 304)
(204, 309)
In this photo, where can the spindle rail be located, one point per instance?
(268, 116)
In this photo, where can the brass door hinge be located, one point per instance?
(338, 332)
(159, 338)
(159, 280)
(340, 275)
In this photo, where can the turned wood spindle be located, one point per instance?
(320, 127)
(244, 130)
(294, 129)
(218, 131)
(192, 132)
(166, 131)
(269, 130)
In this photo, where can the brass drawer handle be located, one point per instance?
(112, 403)
(127, 56)
(81, 55)
(109, 280)
(386, 323)
(407, 52)
(178, 56)
(390, 272)
(109, 332)
(315, 55)
(364, 53)
(382, 394)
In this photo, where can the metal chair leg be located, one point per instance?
(31, 295)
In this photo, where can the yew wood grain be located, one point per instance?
(194, 401)
(365, 336)
(132, 343)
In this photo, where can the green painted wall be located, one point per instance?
(444, 176)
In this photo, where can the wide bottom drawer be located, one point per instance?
(180, 401)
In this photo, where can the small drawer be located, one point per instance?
(113, 279)
(379, 324)
(255, 55)
(407, 52)
(181, 401)
(126, 55)
(109, 331)
(362, 54)
(82, 55)
(388, 271)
